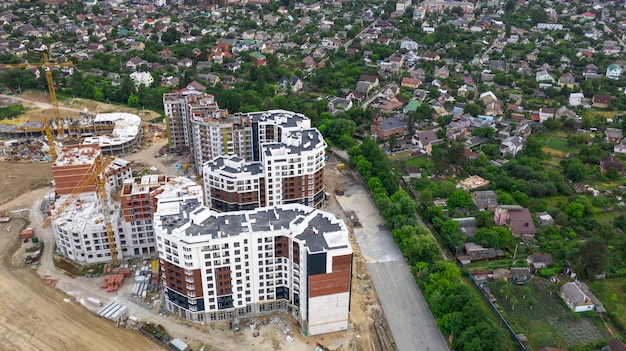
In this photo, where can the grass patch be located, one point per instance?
(605, 217)
(536, 310)
(400, 155)
(560, 144)
(422, 161)
(612, 294)
(157, 120)
(11, 111)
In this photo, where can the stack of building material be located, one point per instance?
(113, 311)
(142, 279)
(112, 282)
(125, 271)
(28, 233)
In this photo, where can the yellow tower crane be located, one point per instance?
(98, 177)
(48, 66)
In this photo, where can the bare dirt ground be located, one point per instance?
(17, 178)
(38, 106)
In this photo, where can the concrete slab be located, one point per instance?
(376, 245)
(411, 322)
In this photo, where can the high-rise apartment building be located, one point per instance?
(248, 160)
(219, 266)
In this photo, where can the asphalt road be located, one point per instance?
(411, 322)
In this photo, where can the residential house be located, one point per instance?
(520, 275)
(544, 77)
(414, 172)
(134, 63)
(545, 219)
(517, 219)
(576, 99)
(442, 72)
(567, 80)
(137, 45)
(590, 69)
(432, 56)
(601, 101)
(294, 83)
(408, 44)
(544, 114)
(366, 83)
(384, 128)
(488, 97)
(411, 83)
(392, 103)
(425, 140)
(338, 104)
(456, 130)
(614, 71)
(309, 62)
(210, 78)
(142, 78)
(616, 344)
(511, 146)
(485, 200)
(396, 61)
(475, 252)
(575, 297)
(613, 135)
(611, 162)
(195, 86)
(468, 225)
(185, 62)
(537, 262)
(620, 148)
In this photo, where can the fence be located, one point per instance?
(497, 311)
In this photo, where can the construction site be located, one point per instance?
(115, 295)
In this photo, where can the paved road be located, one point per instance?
(411, 322)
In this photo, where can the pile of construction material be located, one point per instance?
(113, 311)
(112, 282)
(146, 279)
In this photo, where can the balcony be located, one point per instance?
(189, 279)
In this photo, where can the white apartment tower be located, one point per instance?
(219, 266)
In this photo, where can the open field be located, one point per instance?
(536, 310)
(37, 106)
(560, 144)
(18, 178)
(422, 161)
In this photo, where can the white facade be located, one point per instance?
(142, 78)
(219, 266)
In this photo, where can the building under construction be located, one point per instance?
(80, 227)
(116, 133)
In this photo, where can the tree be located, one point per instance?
(393, 141)
(460, 199)
(170, 36)
(473, 109)
(133, 100)
(495, 237)
(593, 256)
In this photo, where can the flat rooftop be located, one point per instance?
(189, 220)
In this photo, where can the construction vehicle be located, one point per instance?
(339, 191)
(48, 128)
(99, 178)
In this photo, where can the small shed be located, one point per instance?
(28, 233)
(179, 345)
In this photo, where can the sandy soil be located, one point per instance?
(38, 106)
(17, 178)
